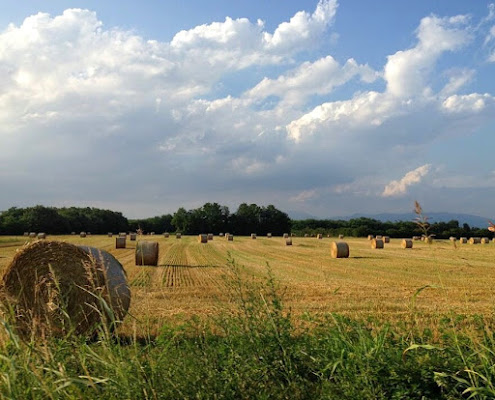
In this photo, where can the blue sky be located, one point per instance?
(324, 107)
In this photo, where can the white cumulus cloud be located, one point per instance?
(399, 188)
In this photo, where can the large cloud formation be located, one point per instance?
(103, 116)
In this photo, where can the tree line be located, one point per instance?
(213, 218)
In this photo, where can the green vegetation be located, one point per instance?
(255, 351)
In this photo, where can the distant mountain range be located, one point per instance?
(471, 220)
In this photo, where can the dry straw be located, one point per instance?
(339, 250)
(147, 253)
(55, 288)
(120, 242)
(377, 244)
(202, 238)
(406, 243)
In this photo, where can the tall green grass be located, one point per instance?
(254, 350)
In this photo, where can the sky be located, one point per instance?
(328, 108)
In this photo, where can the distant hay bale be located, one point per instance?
(452, 238)
(147, 253)
(370, 237)
(474, 240)
(268, 235)
(82, 234)
(319, 236)
(32, 235)
(42, 235)
(132, 236)
(288, 241)
(152, 233)
(428, 239)
(122, 234)
(341, 236)
(416, 238)
(73, 233)
(379, 237)
(25, 234)
(306, 235)
(377, 243)
(286, 235)
(386, 239)
(109, 234)
(406, 243)
(210, 236)
(253, 235)
(178, 235)
(339, 250)
(230, 237)
(120, 242)
(485, 240)
(202, 238)
(57, 288)
(463, 240)
(166, 234)
(220, 234)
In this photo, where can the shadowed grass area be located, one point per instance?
(253, 350)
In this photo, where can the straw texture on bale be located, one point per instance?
(166, 235)
(485, 240)
(339, 250)
(203, 238)
(147, 253)
(178, 235)
(386, 239)
(341, 236)
(132, 237)
(288, 241)
(370, 237)
(122, 234)
(474, 240)
(210, 236)
(428, 239)
(82, 234)
(32, 235)
(220, 234)
(41, 235)
(230, 237)
(452, 239)
(406, 243)
(286, 235)
(253, 235)
(377, 243)
(269, 235)
(120, 242)
(379, 237)
(26, 234)
(55, 288)
(416, 238)
(319, 236)
(109, 234)
(463, 240)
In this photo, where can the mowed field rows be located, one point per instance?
(191, 277)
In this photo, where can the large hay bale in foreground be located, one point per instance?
(406, 243)
(339, 250)
(120, 242)
(203, 238)
(147, 253)
(377, 243)
(57, 288)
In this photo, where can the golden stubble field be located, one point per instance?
(380, 283)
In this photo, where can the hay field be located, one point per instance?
(190, 278)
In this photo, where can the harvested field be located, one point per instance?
(190, 277)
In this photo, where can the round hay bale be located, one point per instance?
(428, 239)
(73, 233)
(386, 239)
(220, 234)
(452, 238)
(416, 238)
(339, 250)
(288, 241)
(474, 240)
(485, 240)
(166, 235)
(306, 235)
(319, 236)
(41, 235)
(463, 240)
(370, 237)
(406, 243)
(268, 235)
(115, 280)
(379, 237)
(286, 235)
(147, 253)
(210, 236)
(120, 242)
(122, 234)
(377, 243)
(26, 234)
(56, 288)
(109, 234)
(178, 235)
(230, 237)
(203, 238)
(132, 237)
(341, 236)
(82, 234)
(32, 235)
(253, 235)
